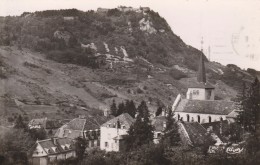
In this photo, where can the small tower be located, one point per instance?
(201, 90)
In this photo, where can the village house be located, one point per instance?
(200, 104)
(113, 132)
(159, 123)
(48, 125)
(37, 123)
(51, 150)
(87, 127)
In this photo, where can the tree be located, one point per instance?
(121, 109)
(158, 111)
(130, 108)
(80, 147)
(19, 124)
(38, 134)
(14, 145)
(248, 116)
(113, 108)
(171, 135)
(141, 132)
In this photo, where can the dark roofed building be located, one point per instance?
(159, 123)
(124, 119)
(219, 128)
(193, 134)
(50, 150)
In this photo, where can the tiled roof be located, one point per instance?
(158, 122)
(202, 85)
(62, 145)
(124, 119)
(76, 124)
(75, 127)
(72, 134)
(218, 107)
(218, 128)
(233, 114)
(197, 133)
(94, 122)
(52, 124)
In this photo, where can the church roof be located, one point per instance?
(124, 119)
(216, 107)
(202, 85)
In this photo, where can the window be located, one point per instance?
(106, 144)
(179, 116)
(198, 118)
(158, 135)
(209, 94)
(92, 143)
(209, 119)
(188, 118)
(221, 119)
(195, 92)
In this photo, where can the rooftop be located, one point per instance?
(158, 122)
(202, 85)
(217, 107)
(197, 133)
(124, 119)
(61, 145)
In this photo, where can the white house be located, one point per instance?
(199, 104)
(49, 151)
(113, 131)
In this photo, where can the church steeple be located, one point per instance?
(201, 77)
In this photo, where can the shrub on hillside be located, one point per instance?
(73, 57)
(177, 74)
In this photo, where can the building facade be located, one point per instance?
(113, 132)
(51, 150)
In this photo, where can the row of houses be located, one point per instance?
(200, 118)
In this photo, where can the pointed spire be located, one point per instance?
(201, 77)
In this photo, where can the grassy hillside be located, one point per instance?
(65, 63)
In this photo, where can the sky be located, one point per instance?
(229, 28)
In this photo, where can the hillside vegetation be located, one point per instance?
(69, 62)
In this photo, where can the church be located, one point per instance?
(200, 104)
